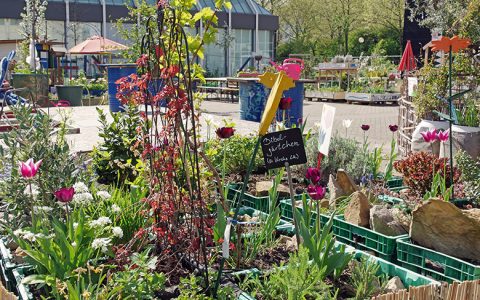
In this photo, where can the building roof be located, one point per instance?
(238, 6)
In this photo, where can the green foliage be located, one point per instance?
(391, 158)
(365, 280)
(375, 161)
(117, 159)
(439, 188)
(137, 281)
(239, 150)
(193, 288)
(469, 114)
(300, 279)
(345, 153)
(320, 243)
(375, 40)
(470, 170)
(57, 250)
(39, 137)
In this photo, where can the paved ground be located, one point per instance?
(378, 117)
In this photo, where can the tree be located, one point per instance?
(387, 14)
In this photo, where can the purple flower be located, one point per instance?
(316, 192)
(225, 132)
(443, 136)
(429, 136)
(313, 174)
(365, 127)
(285, 103)
(393, 128)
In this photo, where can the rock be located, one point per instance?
(358, 210)
(262, 188)
(289, 242)
(443, 227)
(335, 191)
(325, 203)
(394, 284)
(346, 182)
(382, 220)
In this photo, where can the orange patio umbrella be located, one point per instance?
(407, 63)
(96, 45)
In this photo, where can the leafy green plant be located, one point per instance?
(439, 188)
(238, 150)
(300, 279)
(469, 115)
(117, 158)
(470, 170)
(320, 242)
(193, 288)
(37, 136)
(57, 250)
(137, 281)
(345, 153)
(365, 280)
(391, 158)
(375, 162)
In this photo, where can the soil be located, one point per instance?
(299, 183)
(271, 257)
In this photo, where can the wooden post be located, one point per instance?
(294, 206)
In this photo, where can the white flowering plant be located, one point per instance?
(57, 249)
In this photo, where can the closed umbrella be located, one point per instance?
(407, 63)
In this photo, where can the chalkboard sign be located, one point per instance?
(283, 146)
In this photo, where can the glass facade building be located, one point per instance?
(246, 29)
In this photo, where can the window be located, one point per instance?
(241, 48)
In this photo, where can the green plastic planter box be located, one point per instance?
(390, 199)
(7, 266)
(366, 239)
(395, 182)
(435, 264)
(287, 213)
(22, 290)
(282, 225)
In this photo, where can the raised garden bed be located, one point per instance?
(22, 290)
(310, 95)
(435, 264)
(371, 98)
(7, 266)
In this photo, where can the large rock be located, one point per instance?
(394, 284)
(262, 188)
(358, 210)
(441, 226)
(335, 191)
(384, 220)
(346, 182)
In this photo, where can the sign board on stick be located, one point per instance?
(283, 147)
(326, 128)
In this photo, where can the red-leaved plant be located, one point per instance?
(417, 170)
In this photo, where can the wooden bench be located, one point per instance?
(220, 92)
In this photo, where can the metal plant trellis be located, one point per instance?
(163, 86)
(450, 45)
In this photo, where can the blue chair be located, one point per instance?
(7, 95)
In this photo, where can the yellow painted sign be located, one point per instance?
(278, 82)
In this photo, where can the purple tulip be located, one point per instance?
(393, 128)
(365, 127)
(316, 192)
(65, 195)
(29, 168)
(443, 136)
(313, 174)
(429, 136)
(225, 132)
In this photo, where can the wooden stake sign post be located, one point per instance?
(284, 149)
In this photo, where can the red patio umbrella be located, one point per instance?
(96, 45)
(407, 63)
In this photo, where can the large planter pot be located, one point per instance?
(115, 72)
(72, 94)
(34, 85)
(293, 115)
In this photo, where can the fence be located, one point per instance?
(467, 290)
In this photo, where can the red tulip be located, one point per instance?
(285, 103)
(443, 136)
(225, 132)
(365, 127)
(393, 128)
(313, 174)
(429, 136)
(65, 195)
(316, 192)
(29, 168)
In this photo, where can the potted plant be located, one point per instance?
(72, 91)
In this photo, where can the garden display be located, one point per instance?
(159, 210)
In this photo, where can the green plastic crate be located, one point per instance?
(390, 200)
(395, 182)
(7, 266)
(22, 290)
(435, 264)
(282, 224)
(287, 213)
(366, 239)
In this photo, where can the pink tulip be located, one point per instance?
(29, 168)
(65, 195)
(316, 192)
(429, 136)
(443, 136)
(313, 174)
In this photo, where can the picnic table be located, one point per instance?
(220, 88)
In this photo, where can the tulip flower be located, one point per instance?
(65, 195)
(29, 168)
(225, 132)
(443, 136)
(365, 127)
(285, 103)
(316, 192)
(346, 123)
(313, 174)
(429, 136)
(393, 128)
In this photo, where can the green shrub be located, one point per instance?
(117, 159)
(470, 170)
